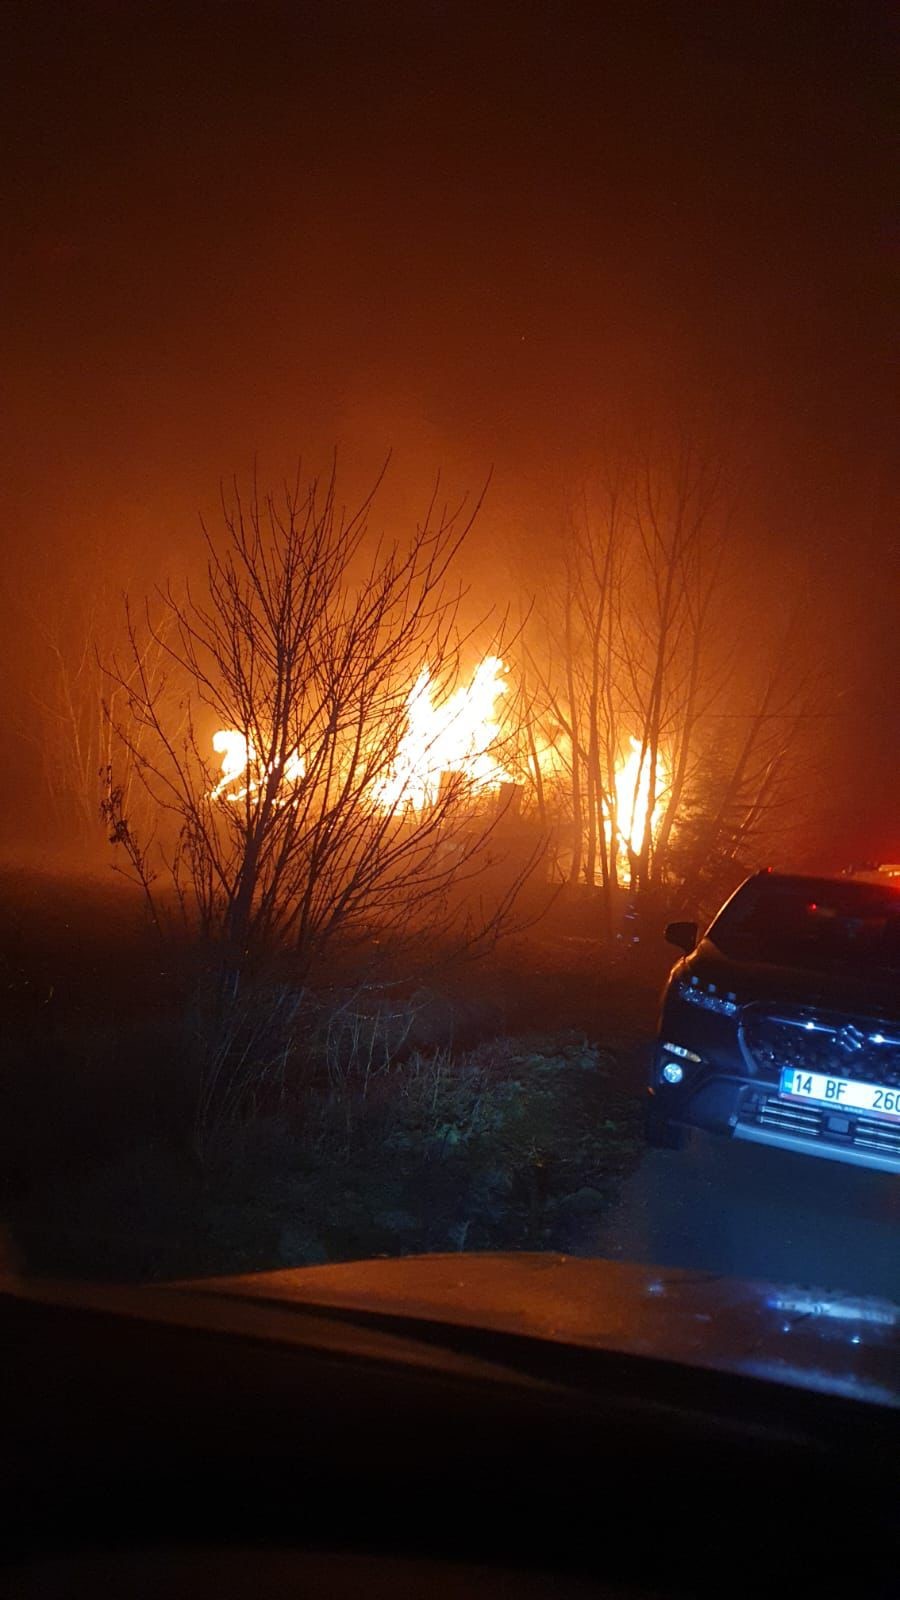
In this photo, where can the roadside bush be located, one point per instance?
(151, 1128)
(517, 1143)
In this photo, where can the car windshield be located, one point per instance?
(445, 545)
(822, 925)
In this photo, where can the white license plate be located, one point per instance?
(840, 1093)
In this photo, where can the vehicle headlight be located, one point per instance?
(708, 997)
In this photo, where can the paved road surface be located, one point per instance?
(742, 1209)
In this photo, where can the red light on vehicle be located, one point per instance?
(812, 906)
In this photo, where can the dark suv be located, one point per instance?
(782, 1023)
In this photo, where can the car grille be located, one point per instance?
(808, 1122)
(842, 1046)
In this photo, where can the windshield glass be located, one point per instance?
(818, 924)
(445, 545)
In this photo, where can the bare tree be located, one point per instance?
(748, 793)
(662, 712)
(302, 648)
(570, 652)
(67, 714)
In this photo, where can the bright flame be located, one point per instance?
(294, 767)
(455, 737)
(237, 755)
(632, 782)
(239, 762)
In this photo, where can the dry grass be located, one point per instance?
(149, 1129)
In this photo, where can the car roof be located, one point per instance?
(885, 880)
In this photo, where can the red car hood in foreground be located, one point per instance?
(795, 1335)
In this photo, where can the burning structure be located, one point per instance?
(459, 740)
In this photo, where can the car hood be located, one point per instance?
(797, 1335)
(805, 1337)
(874, 995)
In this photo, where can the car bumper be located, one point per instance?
(802, 1144)
(744, 1108)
